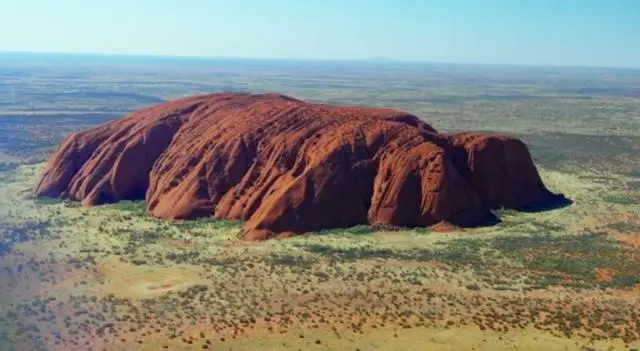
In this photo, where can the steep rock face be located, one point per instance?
(289, 167)
(500, 170)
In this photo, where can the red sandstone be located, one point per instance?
(288, 167)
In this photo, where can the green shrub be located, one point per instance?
(361, 229)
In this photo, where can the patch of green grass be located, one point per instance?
(542, 259)
(621, 200)
(289, 260)
(548, 157)
(48, 201)
(624, 281)
(625, 226)
(458, 252)
(15, 233)
(361, 229)
(574, 256)
(421, 231)
(548, 226)
(455, 253)
(206, 222)
(635, 185)
(351, 253)
(8, 176)
(189, 257)
(634, 174)
(134, 207)
(548, 258)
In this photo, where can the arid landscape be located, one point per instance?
(111, 277)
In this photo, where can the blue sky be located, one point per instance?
(548, 32)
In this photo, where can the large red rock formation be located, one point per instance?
(289, 167)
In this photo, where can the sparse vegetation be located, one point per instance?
(137, 208)
(355, 230)
(114, 277)
(622, 200)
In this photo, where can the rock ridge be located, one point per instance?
(288, 167)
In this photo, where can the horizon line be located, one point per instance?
(375, 59)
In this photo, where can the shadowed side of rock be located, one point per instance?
(501, 171)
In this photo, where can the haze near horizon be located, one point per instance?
(575, 33)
